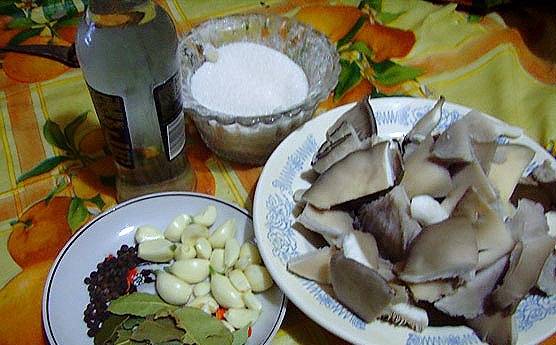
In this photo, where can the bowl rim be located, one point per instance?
(198, 111)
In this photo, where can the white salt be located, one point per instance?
(249, 79)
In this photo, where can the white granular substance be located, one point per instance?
(249, 79)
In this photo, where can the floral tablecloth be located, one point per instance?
(55, 173)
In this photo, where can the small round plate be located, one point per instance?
(65, 295)
(278, 241)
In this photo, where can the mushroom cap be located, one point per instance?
(361, 247)
(431, 291)
(443, 250)
(469, 299)
(361, 289)
(498, 328)
(426, 124)
(313, 265)
(505, 175)
(359, 174)
(335, 223)
(422, 175)
(389, 221)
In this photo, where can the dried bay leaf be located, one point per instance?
(109, 329)
(158, 331)
(139, 304)
(202, 328)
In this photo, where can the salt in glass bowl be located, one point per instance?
(251, 139)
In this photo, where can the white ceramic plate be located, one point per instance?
(278, 241)
(65, 296)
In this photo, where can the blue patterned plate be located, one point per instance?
(278, 241)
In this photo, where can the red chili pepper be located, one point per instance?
(131, 274)
(220, 313)
(249, 331)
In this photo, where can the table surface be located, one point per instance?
(478, 61)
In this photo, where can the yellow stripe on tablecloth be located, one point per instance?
(9, 268)
(7, 173)
(41, 114)
(222, 169)
(236, 182)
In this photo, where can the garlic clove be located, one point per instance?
(224, 293)
(191, 271)
(207, 217)
(258, 278)
(147, 233)
(225, 231)
(172, 289)
(175, 228)
(160, 250)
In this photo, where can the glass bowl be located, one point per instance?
(251, 139)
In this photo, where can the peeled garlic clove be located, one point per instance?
(239, 281)
(172, 289)
(231, 252)
(160, 250)
(192, 232)
(184, 251)
(224, 293)
(241, 317)
(248, 254)
(202, 288)
(258, 278)
(175, 228)
(206, 303)
(217, 261)
(147, 233)
(252, 302)
(222, 233)
(207, 217)
(203, 248)
(191, 271)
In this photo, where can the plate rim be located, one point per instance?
(259, 203)
(45, 314)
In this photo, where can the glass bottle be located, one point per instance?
(128, 52)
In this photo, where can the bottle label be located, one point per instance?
(111, 113)
(167, 98)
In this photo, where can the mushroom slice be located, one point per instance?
(540, 186)
(314, 265)
(359, 174)
(547, 279)
(472, 175)
(443, 250)
(333, 223)
(499, 328)
(389, 221)
(422, 175)
(551, 222)
(506, 174)
(469, 300)
(426, 210)
(386, 269)
(527, 258)
(359, 122)
(404, 314)
(456, 143)
(360, 288)
(493, 238)
(424, 127)
(485, 154)
(340, 149)
(361, 247)
(431, 291)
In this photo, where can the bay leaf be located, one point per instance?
(241, 336)
(202, 328)
(139, 304)
(161, 330)
(109, 329)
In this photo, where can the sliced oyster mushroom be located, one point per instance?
(499, 328)
(485, 154)
(470, 176)
(426, 210)
(551, 222)
(314, 265)
(361, 289)
(424, 127)
(539, 186)
(386, 269)
(506, 174)
(493, 239)
(361, 247)
(456, 143)
(431, 291)
(547, 279)
(389, 221)
(359, 174)
(469, 299)
(423, 176)
(334, 223)
(350, 130)
(443, 250)
(528, 257)
(405, 314)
